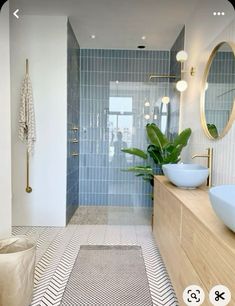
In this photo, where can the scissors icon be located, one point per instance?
(219, 296)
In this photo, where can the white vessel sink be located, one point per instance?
(223, 202)
(188, 176)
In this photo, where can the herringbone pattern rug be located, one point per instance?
(108, 275)
(57, 250)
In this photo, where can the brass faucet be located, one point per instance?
(209, 157)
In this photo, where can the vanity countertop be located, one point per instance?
(197, 201)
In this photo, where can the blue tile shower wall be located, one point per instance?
(114, 86)
(73, 87)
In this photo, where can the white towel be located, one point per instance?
(27, 128)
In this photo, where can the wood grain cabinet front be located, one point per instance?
(196, 247)
(167, 211)
(210, 257)
(167, 231)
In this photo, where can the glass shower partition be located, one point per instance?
(131, 106)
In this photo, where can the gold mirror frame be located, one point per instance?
(204, 80)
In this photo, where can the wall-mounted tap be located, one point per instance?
(209, 157)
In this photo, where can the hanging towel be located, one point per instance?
(27, 129)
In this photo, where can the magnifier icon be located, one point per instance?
(193, 295)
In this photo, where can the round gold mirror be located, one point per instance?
(218, 92)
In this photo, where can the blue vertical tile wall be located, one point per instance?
(73, 106)
(114, 88)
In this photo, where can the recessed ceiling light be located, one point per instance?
(117, 81)
(143, 37)
(92, 36)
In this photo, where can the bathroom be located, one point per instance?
(99, 72)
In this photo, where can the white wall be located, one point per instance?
(203, 32)
(43, 40)
(5, 126)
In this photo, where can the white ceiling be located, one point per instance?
(117, 24)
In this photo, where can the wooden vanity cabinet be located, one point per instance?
(196, 247)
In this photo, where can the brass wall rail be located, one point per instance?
(28, 189)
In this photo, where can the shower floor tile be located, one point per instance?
(112, 215)
(92, 215)
(57, 249)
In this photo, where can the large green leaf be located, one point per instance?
(174, 156)
(182, 138)
(141, 169)
(169, 148)
(155, 153)
(136, 152)
(155, 135)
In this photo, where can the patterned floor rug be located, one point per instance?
(108, 275)
(58, 248)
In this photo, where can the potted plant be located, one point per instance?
(160, 150)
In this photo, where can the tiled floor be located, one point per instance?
(58, 248)
(113, 215)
